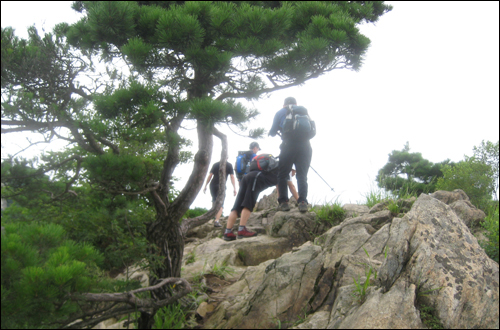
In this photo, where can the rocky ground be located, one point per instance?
(422, 268)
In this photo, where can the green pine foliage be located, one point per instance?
(40, 269)
(114, 225)
(408, 173)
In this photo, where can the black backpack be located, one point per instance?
(264, 162)
(297, 124)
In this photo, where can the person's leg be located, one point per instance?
(228, 234)
(242, 230)
(245, 189)
(245, 215)
(217, 217)
(231, 220)
(293, 190)
(284, 168)
(302, 163)
(214, 191)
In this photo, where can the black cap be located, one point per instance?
(290, 100)
(253, 145)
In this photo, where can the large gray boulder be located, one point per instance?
(450, 197)
(461, 205)
(284, 291)
(355, 210)
(433, 249)
(236, 254)
(296, 226)
(469, 214)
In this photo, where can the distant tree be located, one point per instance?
(488, 153)
(188, 62)
(477, 175)
(408, 172)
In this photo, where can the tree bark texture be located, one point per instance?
(165, 232)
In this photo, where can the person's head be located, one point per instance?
(289, 101)
(254, 146)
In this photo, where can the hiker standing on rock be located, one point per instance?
(251, 186)
(296, 129)
(214, 186)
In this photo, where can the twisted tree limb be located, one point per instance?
(124, 302)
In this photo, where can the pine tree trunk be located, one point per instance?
(167, 238)
(166, 233)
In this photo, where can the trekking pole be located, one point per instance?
(321, 178)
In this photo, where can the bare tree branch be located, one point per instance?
(129, 298)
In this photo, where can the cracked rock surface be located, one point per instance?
(426, 257)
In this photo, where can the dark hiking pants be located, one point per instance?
(300, 154)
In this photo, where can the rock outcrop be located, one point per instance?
(298, 273)
(426, 258)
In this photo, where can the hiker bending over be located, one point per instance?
(214, 186)
(296, 129)
(251, 186)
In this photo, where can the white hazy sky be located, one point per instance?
(430, 77)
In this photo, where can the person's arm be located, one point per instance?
(276, 124)
(234, 184)
(208, 181)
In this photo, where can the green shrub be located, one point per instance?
(333, 213)
(375, 196)
(490, 223)
(222, 270)
(170, 317)
(393, 207)
(40, 267)
(428, 318)
(475, 178)
(190, 258)
(193, 213)
(114, 225)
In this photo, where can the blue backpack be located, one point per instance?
(242, 164)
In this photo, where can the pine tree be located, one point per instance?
(409, 173)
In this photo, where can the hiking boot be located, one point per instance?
(245, 233)
(284, 207)
(217, 224)
(229, 237)
(303, 206)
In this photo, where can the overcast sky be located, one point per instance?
(430, 77)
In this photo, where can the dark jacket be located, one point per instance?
(279, 118)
